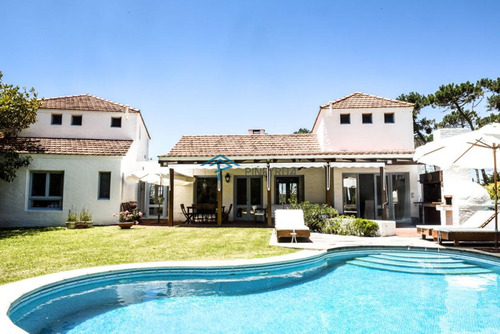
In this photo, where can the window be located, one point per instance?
(367, 118)
(46, 190)
(116, 122)
(206, 190)
(104, 185)
(289, 188)
(389, 117)
(76, 120)
(56, 119)
(345, 118)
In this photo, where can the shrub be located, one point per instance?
(349, 225)
(85, 216)
(491, 190)
(72, 216)
(315, 215)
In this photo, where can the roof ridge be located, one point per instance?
(252, 135)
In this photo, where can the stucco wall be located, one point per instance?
(80, 191)
(366, 137)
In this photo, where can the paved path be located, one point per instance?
(319, 241)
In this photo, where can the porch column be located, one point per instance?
(219, 199)
(328, 184)
(269, 200)
(383, 193)
(171, 198)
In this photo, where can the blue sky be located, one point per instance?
(222, 67)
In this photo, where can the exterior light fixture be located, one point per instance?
(227, 177)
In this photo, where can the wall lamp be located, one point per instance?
(227, 177)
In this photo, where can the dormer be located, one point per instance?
(362, 122)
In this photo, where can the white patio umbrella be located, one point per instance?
(475, 149)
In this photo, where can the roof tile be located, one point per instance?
(85, 102)
(360, 100)
(66, 146)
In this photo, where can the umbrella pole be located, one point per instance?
(495, 188)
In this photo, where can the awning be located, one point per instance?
(190, 167)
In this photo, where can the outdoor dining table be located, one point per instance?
(204, 212)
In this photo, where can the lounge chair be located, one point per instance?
(478, 220)
(288, 222)
(457, 234)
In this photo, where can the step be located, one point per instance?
(426, 260)
(415, 264)
(428, 271)
(417, 255)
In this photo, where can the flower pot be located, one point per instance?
(125, 225)
(84, 224)
(71, 225)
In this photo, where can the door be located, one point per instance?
(248, 193)
(156, 201)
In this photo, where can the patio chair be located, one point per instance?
(225, 214)
(257, 212)
(478, 220)
(188, 215)
(288, 222)
(486, 233)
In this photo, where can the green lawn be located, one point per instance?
(32, 252)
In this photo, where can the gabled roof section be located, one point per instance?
(245, 145)
(359, 100)
(84, 102)
(68, 146)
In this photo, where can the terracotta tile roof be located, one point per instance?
(360, 100)
(85, 102)
(66, 146)
(370, 153)
(245, 145)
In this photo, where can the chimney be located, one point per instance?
(256, 131)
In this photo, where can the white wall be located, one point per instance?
(95, 125)
(80, 191)
(357, 136)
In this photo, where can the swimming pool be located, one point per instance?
(364, 290)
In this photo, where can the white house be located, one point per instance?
(82, 149)
(357, 159)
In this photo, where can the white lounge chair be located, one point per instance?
(478, 220)
(288, 222)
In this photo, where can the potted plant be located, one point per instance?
(71, 219)
(127, 218)
(85, 220)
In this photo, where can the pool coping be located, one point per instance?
(11, 292)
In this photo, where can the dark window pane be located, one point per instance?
(56, 119)
(241, 191)
(76, 120)
(38, 184)
(116, 122)
(389, 118)
(206, 190)
(256, 191)
(104, 185)
(56, 184)
(345, 118)
(367, 118)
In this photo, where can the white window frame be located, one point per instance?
(46, 197)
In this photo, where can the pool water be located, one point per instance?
(375, 292)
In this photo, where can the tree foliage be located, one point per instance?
(18, 108)
(302, 130)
